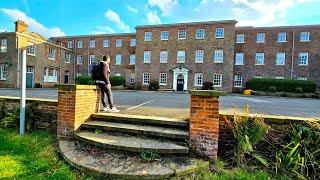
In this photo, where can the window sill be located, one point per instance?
(240, 42)
(182, 38)
(68, 62)
(303, 64)
(163, 62)
(219, 37)
(199, 62)
(282, 41)
(52, 59)
(199, 38)
(164, 39)
(146, 62)
(196, 85)
(162, 84)
(304, 41)
(279, 64)
(79, 47)
(31, 54)
(237, 86)
(180, 62)
(260, 43)
(79, 64)
(239, 64)
(3, 79)
(145, 84)
(218, 62)
(218, 86)
(118, 46)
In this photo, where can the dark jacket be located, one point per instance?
(105, 72)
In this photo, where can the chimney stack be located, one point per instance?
(21, 26)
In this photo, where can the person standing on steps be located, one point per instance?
(105, 85)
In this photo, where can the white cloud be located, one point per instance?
(33, 24)
(263, 12)
(103, 30)
(153, 18)
(167, 7)
(132, 9)
(114, 17)
(2, 30)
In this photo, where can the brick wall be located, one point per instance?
(75, 105)
(43, 115)
(204, 123)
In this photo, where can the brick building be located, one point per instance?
(48, 63)
(183, 56)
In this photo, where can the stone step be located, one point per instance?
(104, 164)
(137, 129)
(129, 143)
(139, 119)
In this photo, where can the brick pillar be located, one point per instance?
(204, 122)
(75, 105)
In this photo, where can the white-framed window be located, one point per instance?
(79, 59)
(237, 81)
(132, 59)
(261, 37)
(281, 58)
(303, 59)
(118, 74)
(132, 78)
(218, 56)
(217, 80)
(147, 57)
(305, 36)
(106, 43)
(163, 79)
(3, 71)
(31, 49)
(240, 38)
(4, 45)
(92, 59)
(282, 37)
(147, 36)
(164, 35)
(80, 44)
(239, 59)
(181, 56)
(145, 78)
(279, 77)
(182, 34)
(50, 75)
(70, 44)
(92, 43)
(259, 59)
(163, 56)
(67, 57)
(51, 53)
(118, 42)
(303, 78)
(198, 78)
(133, 42)
(200, 34)
(198, 57)
(118, 59)
(219, 33)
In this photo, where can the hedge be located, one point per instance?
(282, 85)
(87, 80)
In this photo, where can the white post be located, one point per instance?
(23, 75)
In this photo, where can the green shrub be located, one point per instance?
(298, 90)
(272, 89)
(84, 80)
(248, 132)
(153, 86)
(207, 86)
(117, 81)
(282, 85)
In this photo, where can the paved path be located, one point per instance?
(177, 105)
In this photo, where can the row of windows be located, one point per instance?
(282, 37)
(198, 79)
(181, 56)
(280, 59)
(118, 59)
(106, 43)
(182, 34)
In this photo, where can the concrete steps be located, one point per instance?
(137, 129)
(130, 143)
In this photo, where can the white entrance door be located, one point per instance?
(179, 73)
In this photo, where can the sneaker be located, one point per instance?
(114, 109)
(105, 109)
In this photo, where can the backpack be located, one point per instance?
(96, 71)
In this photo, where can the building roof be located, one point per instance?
(189, 23)
(273, 27)
(97, 35)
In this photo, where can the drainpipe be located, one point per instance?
(75, 59)
(60, 61)
(88, 56)
(292, 56)
(18, 63)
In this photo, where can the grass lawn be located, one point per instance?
(35, 156)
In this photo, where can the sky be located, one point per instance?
(78, 17)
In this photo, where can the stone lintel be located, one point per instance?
(76, 87)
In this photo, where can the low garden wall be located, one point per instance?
(40, 113)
